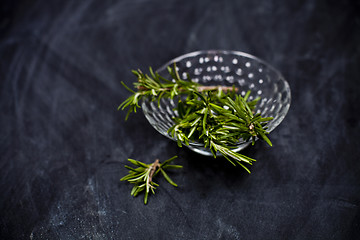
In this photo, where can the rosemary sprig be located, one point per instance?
(142, 176)
(154, 87)
(219, 122)
(213, 115)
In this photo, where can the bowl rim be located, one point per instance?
(220, 51)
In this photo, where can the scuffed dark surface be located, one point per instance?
(63, 144)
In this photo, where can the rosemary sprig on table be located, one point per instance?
(213, 115)
(142, 176)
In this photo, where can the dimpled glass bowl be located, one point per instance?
(226, 68)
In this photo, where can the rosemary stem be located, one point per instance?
(199, 88)
(153, 168)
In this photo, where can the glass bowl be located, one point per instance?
(226, 68)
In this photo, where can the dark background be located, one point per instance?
(63, 144)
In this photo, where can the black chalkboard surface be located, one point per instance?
(63, 144)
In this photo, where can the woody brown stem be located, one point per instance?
(209, 88)
(200, 88)
(153, 168)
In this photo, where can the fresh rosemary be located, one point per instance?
(213, 115)
(142, 176)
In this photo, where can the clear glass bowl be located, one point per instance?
(226, 68)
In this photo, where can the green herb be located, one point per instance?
(142, 176)
(213, 115)
(154, 87)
